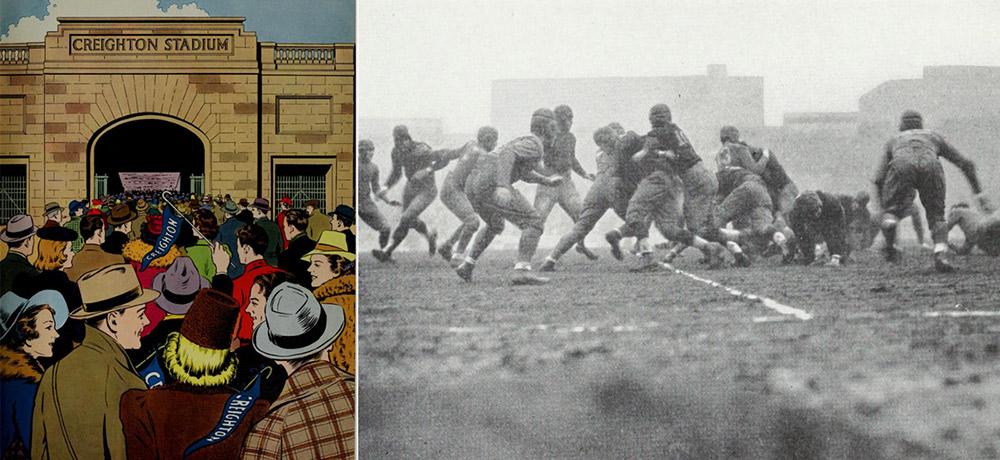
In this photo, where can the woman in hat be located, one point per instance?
(194, 404)
(135, 250)
(27, 334)
(55, 255)
(55, 248)
(331, 268)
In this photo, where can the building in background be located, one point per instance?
(944, 93)
(198, 96)
(838, 151)
(699, 102)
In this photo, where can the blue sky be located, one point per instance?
(319, 21)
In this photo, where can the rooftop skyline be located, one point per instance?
(438, 59)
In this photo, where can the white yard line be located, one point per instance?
(766, 302)
(960, 313)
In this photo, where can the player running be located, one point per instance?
(492, 194)
(909, 165)
(561, 160)
(660, 194)
(617, 178)
(369, 185)
(417, 162)
(454, 198)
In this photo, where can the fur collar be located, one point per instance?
(337, 286)
(16, 364)
(135, 250)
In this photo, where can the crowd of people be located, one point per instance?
(168, 325)
(743, 207)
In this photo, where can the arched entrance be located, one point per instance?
(147, 143)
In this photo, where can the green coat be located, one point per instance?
(11, 266)
(201, 255)
(82, 417)
(74, 224)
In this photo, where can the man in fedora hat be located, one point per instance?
(121, 217)
(77, 407)
(318, 221)
(260, 208)
(55, 215)
(341, 220)
(76, 211)
(195, 414)
(141, 210)
(227, 236)
(178, 287)
(91, 256)
(313, 417)
(216, 207)
(18, 236)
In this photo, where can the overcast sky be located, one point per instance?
(436, 58)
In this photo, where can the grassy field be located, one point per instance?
(606, 363)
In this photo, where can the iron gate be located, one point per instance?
(197, 184)
(13, 191)
(100, 185)
(301, 188)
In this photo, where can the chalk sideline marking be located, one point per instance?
(769, 303)
(960, 313)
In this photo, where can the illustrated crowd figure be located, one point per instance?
(128, 335)
(743, 207)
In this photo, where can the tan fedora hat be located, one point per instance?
(109, 289)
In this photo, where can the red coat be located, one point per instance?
(241, 292)
(162, 422)
(133, 252)
(281, 229)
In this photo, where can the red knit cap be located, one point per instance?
(211, 320)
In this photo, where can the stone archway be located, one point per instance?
(148, 143)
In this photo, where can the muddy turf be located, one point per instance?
(604, 363)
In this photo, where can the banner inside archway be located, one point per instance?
(150, 181)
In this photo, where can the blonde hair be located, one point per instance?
(51, 254)
(195, 365)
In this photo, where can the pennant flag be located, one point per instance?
(233, 413)
(153, 374)
(168, 235)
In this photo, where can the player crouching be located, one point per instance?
(819, 217)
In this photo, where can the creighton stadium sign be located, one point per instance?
(151, 44)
